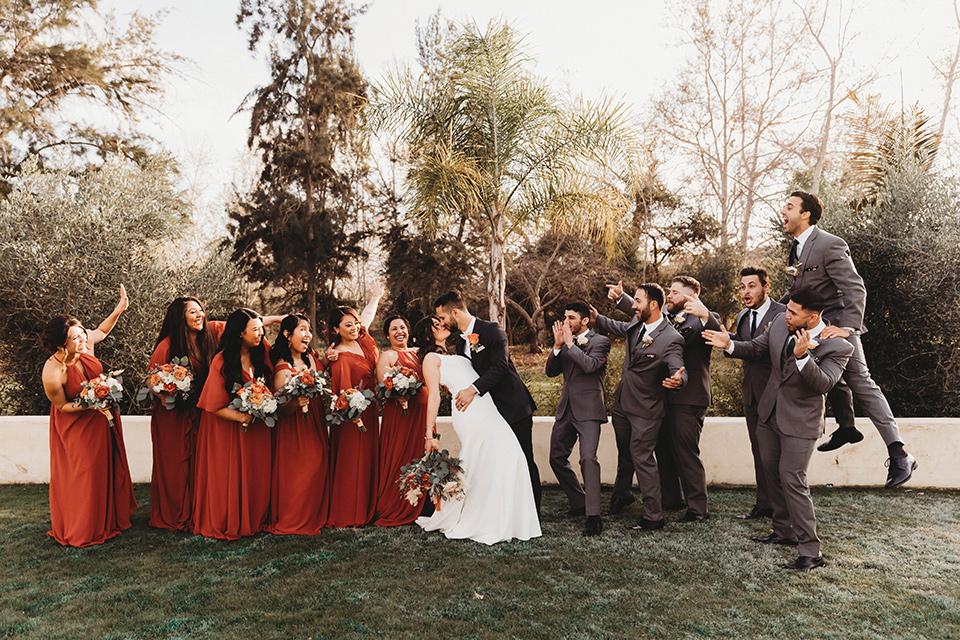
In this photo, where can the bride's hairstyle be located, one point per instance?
(423, 339)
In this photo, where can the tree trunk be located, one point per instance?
(312, 305)
(497, 282)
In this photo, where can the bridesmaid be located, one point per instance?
(352, 358)
(91, 495)
(185, 332)
(232, 497)
(300, 489)
(401, 436)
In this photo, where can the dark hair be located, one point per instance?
(579, 307)
(175, 328)
(450, 300)
(230, 348)
(333, 323)
(389, 321)
(55, 333)
(654, 292)
(281, 346)
(423, 339)
(760, 272)
(811, 203)
(688, 281)
(809, 299)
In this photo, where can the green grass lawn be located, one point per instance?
(893, 572)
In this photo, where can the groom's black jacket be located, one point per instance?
(498, 376)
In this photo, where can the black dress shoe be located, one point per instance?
(648, 525)
(840, 437)
(690, 516)
(901, 469)
(594, 526)
(617, 505)
(775, 539)
(805, 563)
(674, 506)
(756, 513)
(582, 511)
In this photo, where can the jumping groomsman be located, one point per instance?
(758, 315)
(804, 366)
(653, 353)
(678, 448)
(581, 356)
(821, 261)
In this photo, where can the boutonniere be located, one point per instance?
(813, 345)
(646, 342)
(679, 319)
(582, 340)
(473, 340)
(794, 270)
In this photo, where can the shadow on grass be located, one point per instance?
(893, 572)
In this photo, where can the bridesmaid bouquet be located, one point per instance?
(103, 392)
(172, 379)
(401, 384)
(306, 383)
(255, 399)
(437, 474)
(349, 406)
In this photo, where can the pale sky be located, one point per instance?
(621, 48)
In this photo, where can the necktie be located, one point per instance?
(791, 345)
(643, 330)
(753, 324)
(793, 251)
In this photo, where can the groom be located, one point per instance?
(485, 344)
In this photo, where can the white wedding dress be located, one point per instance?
(498, 499)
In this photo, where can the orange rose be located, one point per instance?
(474, 338)
(342, 403)
(167, 368)
(307, 379)
(388, 383)
(155, 380)
(169, 388)
(179, 373)
(101, 392)
(256, 398)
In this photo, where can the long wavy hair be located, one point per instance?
(422, 338)
(333, 323)
(175, 327)
(281, 346)
(230, 343)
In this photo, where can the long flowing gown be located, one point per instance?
(498, 500)
(232, 497)
(91, 495)
(401, 440)
(300, 490)
(174, 437)
(353, 454)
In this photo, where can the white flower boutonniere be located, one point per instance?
(582, 340)
(794, 270)
(679, 319)
(646, 342)
(813, 345)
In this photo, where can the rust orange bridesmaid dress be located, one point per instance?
(91, 495)
(300, 490)
(401, 440)
(232, 496)
(353, 455)
(174, 437)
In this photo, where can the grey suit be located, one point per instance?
(640, 405)
(791, 414)
(580, 413)
(826, 266)
(678, 448)
(756, 373)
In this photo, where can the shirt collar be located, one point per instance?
(649, 328)
(803, 237)
(582, 333)
(471, 326)
(762, 309)
(815, 332)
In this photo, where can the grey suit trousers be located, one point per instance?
(753, 417)
(566, 430)
(785, 462)
(638, 436)
(868, 395)
(682, 428)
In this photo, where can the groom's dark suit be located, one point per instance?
(498, 377)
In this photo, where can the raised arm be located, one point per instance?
(105, 327)
(370, 311)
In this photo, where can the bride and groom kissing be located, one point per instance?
(492, 414)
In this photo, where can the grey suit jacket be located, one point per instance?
(641, 391)
(583, 369)
(696, 359)
(756, 373)
(796, 396)
(827, 267)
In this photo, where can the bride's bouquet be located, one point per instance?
(437, 474)
(349, 406)
(307, 384)
(401, 383)
(255, 399)
(172, 379)
(103, 392)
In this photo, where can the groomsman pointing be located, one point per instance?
(581, 356)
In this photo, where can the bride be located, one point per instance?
(498, 499)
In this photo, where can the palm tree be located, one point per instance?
(488, 139)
